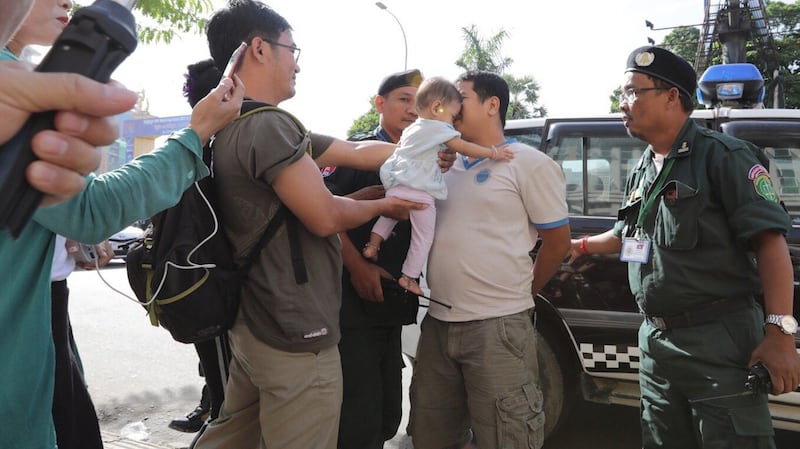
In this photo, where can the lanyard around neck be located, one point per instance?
(651, 199)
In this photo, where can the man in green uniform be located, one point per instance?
(699, 207)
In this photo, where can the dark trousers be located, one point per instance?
(215, 356)
(685, 374)
(73, 411)
(372, 364)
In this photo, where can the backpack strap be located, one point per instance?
(250, 107)
(272, 228)
(296, 249)
(298, 263)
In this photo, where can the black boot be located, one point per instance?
(194, 420)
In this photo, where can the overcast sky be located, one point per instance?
(574, 49)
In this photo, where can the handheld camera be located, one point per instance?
(97, 39)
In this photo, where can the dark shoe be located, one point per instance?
(192, 422)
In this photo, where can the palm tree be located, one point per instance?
(486, 55)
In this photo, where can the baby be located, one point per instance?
(412, 172)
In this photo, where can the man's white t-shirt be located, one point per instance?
(479, 263)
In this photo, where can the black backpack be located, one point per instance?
(183, 271)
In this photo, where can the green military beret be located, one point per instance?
(664, 65)
(402, 79)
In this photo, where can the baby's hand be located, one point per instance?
(502, 153)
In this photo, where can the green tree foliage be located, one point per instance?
(784, 22)
(366, 122)
(487, 54)
(165, 18)
(160, 20)
(614, 99)
(482, 54)
(683, 42)
(783, 59)
(524, 93)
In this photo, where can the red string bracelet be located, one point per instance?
(583, 244)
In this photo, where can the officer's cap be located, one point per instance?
(411, 77)
(664, 65)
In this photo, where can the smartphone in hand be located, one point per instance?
(235, 60)
(86, 253)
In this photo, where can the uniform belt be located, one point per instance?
(702, 314)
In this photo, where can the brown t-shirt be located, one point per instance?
(248, 156)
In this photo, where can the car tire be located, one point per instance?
(558, 380)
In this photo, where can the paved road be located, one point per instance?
(137, 373)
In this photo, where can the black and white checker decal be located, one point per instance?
(620, 358)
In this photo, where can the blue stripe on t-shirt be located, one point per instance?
(552, 224)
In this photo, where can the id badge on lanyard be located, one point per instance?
(636, 249)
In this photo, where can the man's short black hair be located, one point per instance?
(487, 85)
(241, 21)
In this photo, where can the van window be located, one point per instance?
(595, 183)
(784, 168)
(529, 136)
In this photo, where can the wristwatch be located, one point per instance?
(786, 323)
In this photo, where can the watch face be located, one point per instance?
(789, 324)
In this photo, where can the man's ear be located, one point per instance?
(492, 105)
(379, 101)
(258, 49)
(674, 96)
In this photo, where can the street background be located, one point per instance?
(140, 378)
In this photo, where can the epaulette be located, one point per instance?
(729, 142)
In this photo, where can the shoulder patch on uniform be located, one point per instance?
(756, 170)
(762, 183)
(327, 171)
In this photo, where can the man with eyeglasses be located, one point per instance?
(284, 387)
(293, 48)
(699, 205)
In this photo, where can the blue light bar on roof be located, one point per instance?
(732, 85)
(730, 91)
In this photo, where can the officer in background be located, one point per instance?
(699, 206)
(374, 309)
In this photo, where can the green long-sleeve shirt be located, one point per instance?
(110, 202)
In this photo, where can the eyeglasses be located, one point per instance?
(295, 50)
(630, 95)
